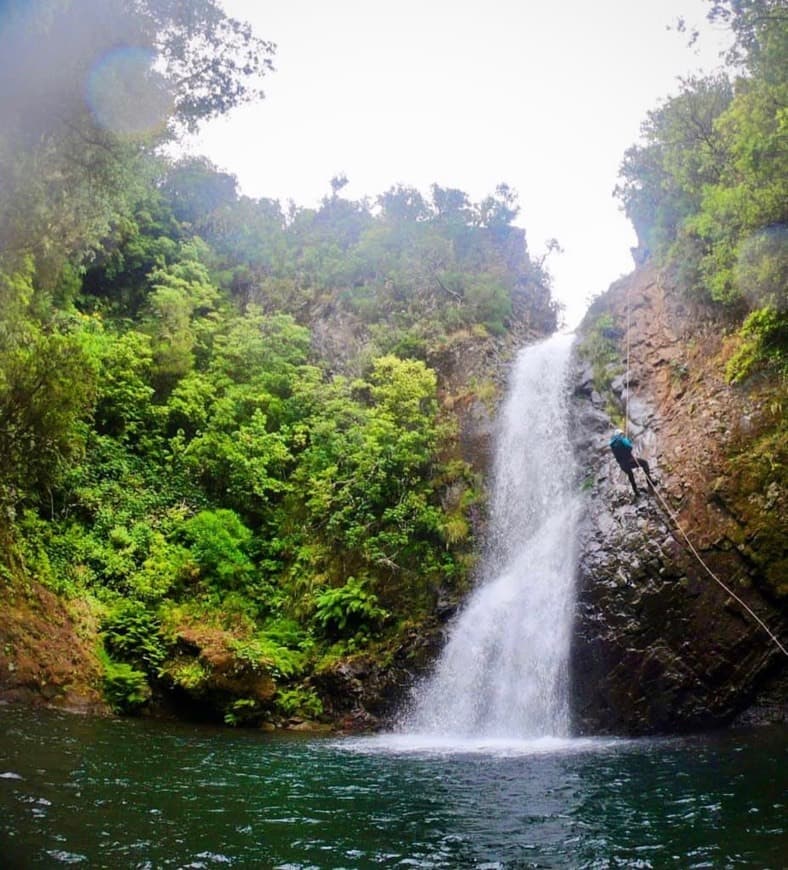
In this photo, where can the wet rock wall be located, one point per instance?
(659, 646)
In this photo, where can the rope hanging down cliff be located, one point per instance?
(670, 513)
(716, 578)
(629, 346)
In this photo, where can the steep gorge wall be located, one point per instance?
(659, 646)
(48, 650)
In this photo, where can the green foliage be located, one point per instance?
(665, 177)
(367, 473)
(38, 552)
(47, 390)
(760, 35)
(17, 292)
(132, 634)
(755, 484)
(349, 610)
(126, 689)
(706, 189)
(298, 701)
(600, 346)
(188, 674)
(262, 651)
(196, 189)
(219, 543)
(761, 270)
(490, 300)
(764, 343)
(179, 307)
(124, 392)
(118, 528)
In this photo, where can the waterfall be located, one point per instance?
(503, 672)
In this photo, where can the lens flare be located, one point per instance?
(125, 93)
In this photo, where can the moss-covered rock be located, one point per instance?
(206, 666)
(48, 649)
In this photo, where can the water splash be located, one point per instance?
(503, 673)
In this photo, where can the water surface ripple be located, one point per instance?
(109, 793)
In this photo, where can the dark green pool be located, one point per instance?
(140, 794)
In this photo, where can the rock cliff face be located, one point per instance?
(47, 651)
(659, 646)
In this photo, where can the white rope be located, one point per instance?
(629, 345)
(669, 511)
(716, 578)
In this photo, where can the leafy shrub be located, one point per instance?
(35, 544)
(188, 674)
(133, 634)
(125, 688)
(262, 652)
(287, 632)
(298, 701)
(455, 529)
(349, 610)
(764, 337)
(218, 541)
(167, 565)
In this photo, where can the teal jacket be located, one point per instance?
(622, 450)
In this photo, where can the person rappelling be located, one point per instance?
(622, 450)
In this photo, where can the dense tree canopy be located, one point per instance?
(176, 440)
(706, 186)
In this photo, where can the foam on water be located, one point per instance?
(431, 745)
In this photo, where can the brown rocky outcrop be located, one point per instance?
(659, 646)
(48, 650)
(207, 666)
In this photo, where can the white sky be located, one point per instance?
(544, 96)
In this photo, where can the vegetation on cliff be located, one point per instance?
(693, 348)
(220, 421)
(705, 188)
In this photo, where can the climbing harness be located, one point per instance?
(670, 513)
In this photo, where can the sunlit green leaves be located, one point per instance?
(219, 542)
(764, 339)
(349, 609)
(706, 189)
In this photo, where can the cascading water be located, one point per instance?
(503, 673)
